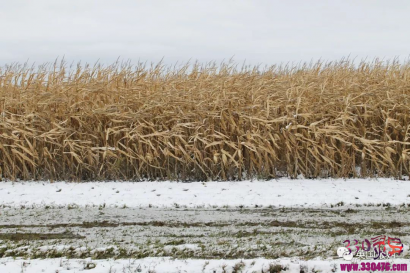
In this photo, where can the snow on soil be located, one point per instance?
(169, 265)
(136, 198)
(283, 192)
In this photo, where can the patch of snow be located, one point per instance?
(279, 193)
(168, 265)
(169, 248)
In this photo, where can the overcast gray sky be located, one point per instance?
(262, 32)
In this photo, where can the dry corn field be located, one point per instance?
(204, 122)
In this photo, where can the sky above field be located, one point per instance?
(260, 32)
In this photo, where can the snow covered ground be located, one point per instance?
(283, 192)
(123, 227)
(168, 265)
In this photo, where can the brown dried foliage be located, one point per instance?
(203, 122)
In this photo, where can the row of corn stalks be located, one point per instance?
(204, 122)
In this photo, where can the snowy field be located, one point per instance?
(280, 193)
(249, 226)
(168, 265)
